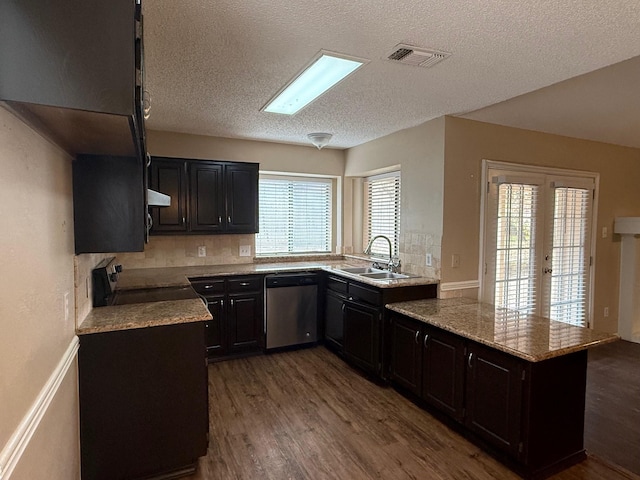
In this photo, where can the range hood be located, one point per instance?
(157, 199)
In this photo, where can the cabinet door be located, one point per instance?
(494, 396)
(406, 353)
(108, 204)
(169, 177)
(214, 329)
(333, 319)
(443, 371)
(206, 197)
(362, 336)
(244, 322)
(241, 183)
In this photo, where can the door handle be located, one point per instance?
(417, 337)
(244, 284)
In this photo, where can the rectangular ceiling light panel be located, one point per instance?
(325, 72)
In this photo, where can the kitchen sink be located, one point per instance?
(383, 275)
(361, 270)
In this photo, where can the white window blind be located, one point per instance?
(570, 259)
(383, 212)
(295, 216)
(515, 254)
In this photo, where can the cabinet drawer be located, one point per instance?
(206, 286)
(245, 284)
(337, 284)
(364, 294)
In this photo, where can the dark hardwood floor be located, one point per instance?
(307, 415)
(612, 417)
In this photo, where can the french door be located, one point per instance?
(537, 243)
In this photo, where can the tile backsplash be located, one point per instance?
(414, 246)
(182, 250)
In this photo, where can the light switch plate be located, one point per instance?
(429, 260)
(245, 250)
(202, 251)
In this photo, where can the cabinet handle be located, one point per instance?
(219, 218)
(417, 336)
(221, 303)
(426, 339)
(207, 287)
(350, 298)
(470, 359)
(229, 218)
(184, 220)
(343, 308)
(244, 284)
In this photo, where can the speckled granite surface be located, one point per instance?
(529, 337)
(143, 315)
(178, 276)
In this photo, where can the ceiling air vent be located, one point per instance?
(418, 57)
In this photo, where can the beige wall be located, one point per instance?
(37, 260)
(277, 157)
(468, 142)
(419, 151)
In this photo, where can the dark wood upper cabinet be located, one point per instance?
(108, 204)
(170, 178)
(241, 182)
(75, 71)
(207, 197)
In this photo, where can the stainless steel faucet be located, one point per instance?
(394, 262)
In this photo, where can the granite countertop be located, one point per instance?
(179, 276)
(529, 337)
(143, 315)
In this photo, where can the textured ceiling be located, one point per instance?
(603, 105)
(212, 64)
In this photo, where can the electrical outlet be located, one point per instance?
(606, 312)
(429, 260)
(202, 251)
(245, 250)
(455, 260)
(66, 306)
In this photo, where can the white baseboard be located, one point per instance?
(449, 286)
(15, 447)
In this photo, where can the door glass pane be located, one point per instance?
(515, 282)
(570, 262)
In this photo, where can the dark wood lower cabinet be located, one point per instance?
(143, 402)
(406, 354)
(333, 320)
(244, 322)
(530, 414)
(443, 371)
(362, 325)
(494, 397)
(236, 305)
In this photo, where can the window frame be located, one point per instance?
(366, 230)
(333, 183)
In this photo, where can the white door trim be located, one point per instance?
(552, 171)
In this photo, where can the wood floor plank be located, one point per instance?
(308, 415)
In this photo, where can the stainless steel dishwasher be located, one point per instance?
(291, 309)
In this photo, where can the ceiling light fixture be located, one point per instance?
(325, 71)
(320, 139)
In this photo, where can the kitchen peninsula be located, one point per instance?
(515, 382)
